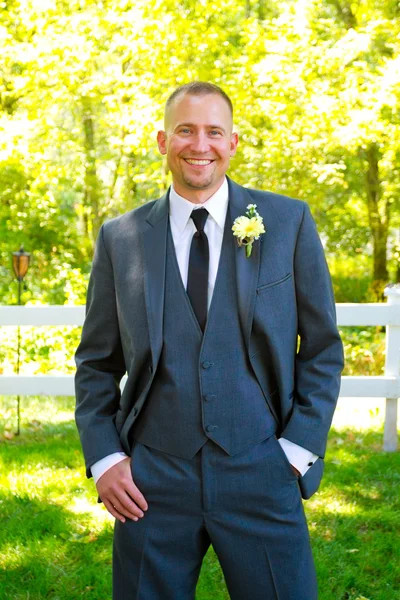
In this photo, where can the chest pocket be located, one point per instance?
(267, 286)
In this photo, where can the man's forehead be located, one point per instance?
(184, 110)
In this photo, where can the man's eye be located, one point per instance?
(215, 132)
(185, 130)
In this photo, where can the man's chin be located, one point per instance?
(198, 185)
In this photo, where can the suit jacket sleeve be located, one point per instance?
(319, 360)
(100, 364)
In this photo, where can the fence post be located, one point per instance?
(392, 369)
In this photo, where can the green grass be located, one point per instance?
(55, 540)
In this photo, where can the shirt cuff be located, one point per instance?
(301, 458)
(101, 466)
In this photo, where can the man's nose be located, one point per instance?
(200, 143)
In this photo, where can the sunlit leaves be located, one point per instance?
(82, 90)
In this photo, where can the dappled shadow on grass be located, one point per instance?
(359, 472)
(355, 518)
(46, 551)
(355, 557)
(47, 548)
(52, 445)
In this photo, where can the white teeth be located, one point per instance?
(193, 161)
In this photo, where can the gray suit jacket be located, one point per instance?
(284, 291)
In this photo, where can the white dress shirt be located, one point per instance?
(182, 229)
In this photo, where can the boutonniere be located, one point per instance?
(248, 228)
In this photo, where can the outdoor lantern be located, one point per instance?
(21, 261)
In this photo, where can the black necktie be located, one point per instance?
(197, 284)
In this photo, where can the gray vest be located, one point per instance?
(204, 387)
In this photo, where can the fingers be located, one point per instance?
(124, 505)
(114, 511)
(136, 495)
(120, 495)
(120, 504)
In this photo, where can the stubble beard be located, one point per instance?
(200, 185)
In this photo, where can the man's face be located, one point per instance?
(198, 142)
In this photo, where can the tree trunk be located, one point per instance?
(92, 187)
(248, 9)
(130, 184)
(379, 217)
(345, 13)
(262, 10)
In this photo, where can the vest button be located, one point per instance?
(210, 428)
(206, 364)
(209, 397)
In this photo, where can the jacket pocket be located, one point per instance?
(266, 286)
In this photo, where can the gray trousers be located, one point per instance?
(248, 506)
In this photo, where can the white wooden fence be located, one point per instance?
(386, 386)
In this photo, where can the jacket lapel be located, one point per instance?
(155, 243)
(246, 268)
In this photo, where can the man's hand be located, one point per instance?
(119, 493)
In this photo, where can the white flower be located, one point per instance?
(248, 228)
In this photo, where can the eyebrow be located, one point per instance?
(194, 125)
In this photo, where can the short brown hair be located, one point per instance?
(198, 88)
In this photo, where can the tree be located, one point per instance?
(82, 90)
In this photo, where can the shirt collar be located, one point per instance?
(180, 209)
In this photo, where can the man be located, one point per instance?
(222, 423)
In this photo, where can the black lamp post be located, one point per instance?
(20, 262)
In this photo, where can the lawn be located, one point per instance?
(55, 540)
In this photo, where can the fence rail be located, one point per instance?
(385, 386)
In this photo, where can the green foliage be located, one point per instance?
(351, 289)
(351, 278)
(364, 349)
(82, 88)
(44, 350)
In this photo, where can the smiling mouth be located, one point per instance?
(198, 162)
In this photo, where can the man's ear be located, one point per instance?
(233, 144)
(162, 142)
